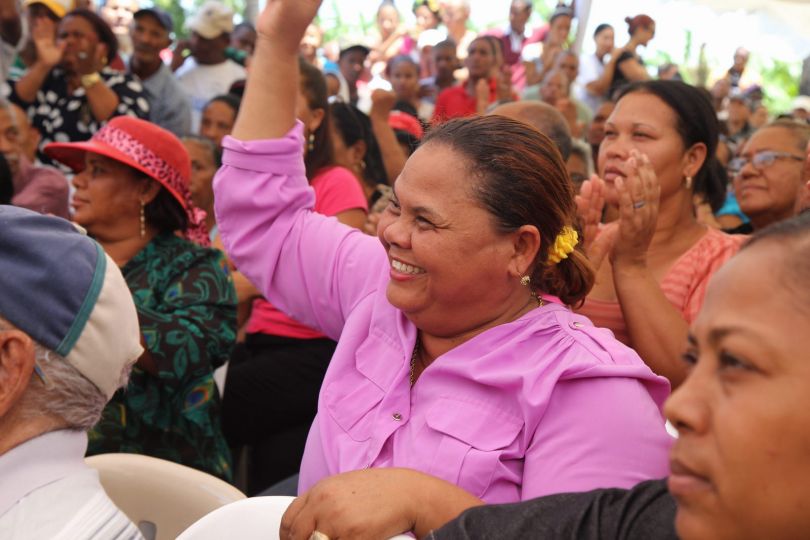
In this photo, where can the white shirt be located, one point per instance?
(590, 69)
(48, 492)
(203, 82)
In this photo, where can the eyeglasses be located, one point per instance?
(760, 160)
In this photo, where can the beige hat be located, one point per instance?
(212, 20)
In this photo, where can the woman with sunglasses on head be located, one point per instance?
(768, 173)
(458, 354)
(654, 261)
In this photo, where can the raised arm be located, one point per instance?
(312, 267)
(268, 107)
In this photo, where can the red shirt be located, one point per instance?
(455, 102)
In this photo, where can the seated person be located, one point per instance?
(768, 173)
(740, 355)
(68, 338)
(70, 91)
(458, 353)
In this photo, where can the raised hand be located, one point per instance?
(382, 102)
(43, 32)
(284, 21)
(598, 240)
(639, 196)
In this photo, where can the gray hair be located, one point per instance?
(65, 395)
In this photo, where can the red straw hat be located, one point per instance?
(148, 148)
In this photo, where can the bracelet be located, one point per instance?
(90, 79)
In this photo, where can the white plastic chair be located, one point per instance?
(161, 497)
(256, 518)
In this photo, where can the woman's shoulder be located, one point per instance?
(182, 254)
(713, 245)
(577, 346)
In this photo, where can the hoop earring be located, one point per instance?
(688, 182)
(143, 221)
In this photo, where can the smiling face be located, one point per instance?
(644, 122)
(149, 37)
(768, 194)
(449, 264)
(740, 464)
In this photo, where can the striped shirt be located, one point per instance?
(684, 285)
(47, 492)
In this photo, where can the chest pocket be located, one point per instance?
(352, 402)
(471, 441)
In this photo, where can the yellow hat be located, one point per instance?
(58, 7)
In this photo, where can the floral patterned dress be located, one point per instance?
(187, 310)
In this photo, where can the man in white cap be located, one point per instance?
(68, 337)
(208, 72)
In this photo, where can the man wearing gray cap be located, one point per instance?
(68, 337)
(151, 30)
(208, 73)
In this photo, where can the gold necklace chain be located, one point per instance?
(416, 347)
(418, 344)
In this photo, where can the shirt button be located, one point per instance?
(576, 325)
(397, 417)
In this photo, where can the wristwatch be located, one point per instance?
(90, 79)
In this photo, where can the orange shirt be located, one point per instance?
(684, 285)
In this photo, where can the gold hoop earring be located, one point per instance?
(143, 220)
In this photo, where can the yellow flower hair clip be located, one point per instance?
(564, 244)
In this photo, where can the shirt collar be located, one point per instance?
(38, 462)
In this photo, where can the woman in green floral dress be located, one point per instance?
(132, 196)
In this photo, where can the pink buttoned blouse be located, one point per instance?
(544, 404)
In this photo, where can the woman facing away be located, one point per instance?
(457, 353)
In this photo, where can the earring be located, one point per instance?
(311, 142)
(525, 281)
(688, 182)
(143, 221)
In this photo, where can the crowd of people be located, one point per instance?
(463, 285)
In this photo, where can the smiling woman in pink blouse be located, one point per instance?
(457, 353)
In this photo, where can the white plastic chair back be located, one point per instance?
(161, 497)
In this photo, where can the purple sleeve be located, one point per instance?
(581, 442)
(312, 267)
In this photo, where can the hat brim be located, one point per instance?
(58, 9)
(356, 47)
(156, 15)
(72, 155)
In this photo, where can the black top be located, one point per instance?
(619, 79)
(60, 116)
(644, 512)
